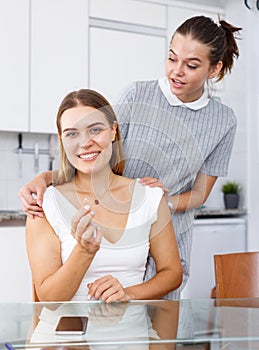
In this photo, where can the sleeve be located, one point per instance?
(154, 197)
(217, 162)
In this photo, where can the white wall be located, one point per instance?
(234, 95)
(251, 90)
(11, 178)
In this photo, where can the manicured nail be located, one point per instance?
(87, 207)
(92, 213)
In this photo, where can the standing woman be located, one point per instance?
(173, 130)
(174, 134)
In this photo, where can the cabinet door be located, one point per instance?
(14, 64)
(209, 240)
(130, 11)
(15, 275)
(117, 58)
(58, 57)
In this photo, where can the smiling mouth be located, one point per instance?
(88, 156)
(177, 82)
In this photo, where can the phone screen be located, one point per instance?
(72, 325)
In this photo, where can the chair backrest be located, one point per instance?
(237, 275)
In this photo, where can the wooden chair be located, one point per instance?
(237, 275)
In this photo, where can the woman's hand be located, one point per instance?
(31, 194)
(108, 289)
(153, 182)
(86, 231)
(104, 314)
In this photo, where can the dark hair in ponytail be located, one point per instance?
(218, 37)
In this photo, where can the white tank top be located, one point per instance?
(124, 259)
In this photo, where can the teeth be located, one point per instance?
(88, 156)
(177, 82)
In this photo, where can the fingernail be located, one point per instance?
(92, 212)
(89, 297)
(87, 207)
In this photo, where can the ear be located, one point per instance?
(114, 129)
(214, 71)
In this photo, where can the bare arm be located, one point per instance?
(187, 200)
(197, 196)
(37, 186)
(164, 250)
(53, 280)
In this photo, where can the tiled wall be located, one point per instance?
(12, 176)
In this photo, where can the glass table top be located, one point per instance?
(224, 324)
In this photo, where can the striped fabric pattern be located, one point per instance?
(173, 144)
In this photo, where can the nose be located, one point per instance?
(178, 68)
(86, 139)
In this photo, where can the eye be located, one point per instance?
(71, 134)
(95, 131)
(171, 59)
(191, 66)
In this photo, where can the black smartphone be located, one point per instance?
(72, 325)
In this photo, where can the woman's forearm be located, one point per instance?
(49, 177)
(161, 284)
(186, 201)
(196, 196)
(63, 284)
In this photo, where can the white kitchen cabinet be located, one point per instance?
(14, 64)
(212, 236)
(59, 57)
(43, 57)
(127, 42)
(130, 11)
(15, 275)
(117, 58)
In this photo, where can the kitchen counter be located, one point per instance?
(12, 218)
(207, 213)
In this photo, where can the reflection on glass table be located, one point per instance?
(139, 325)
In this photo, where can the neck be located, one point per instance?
(94, 182)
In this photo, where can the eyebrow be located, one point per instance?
(89, 126)
(188, 59)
